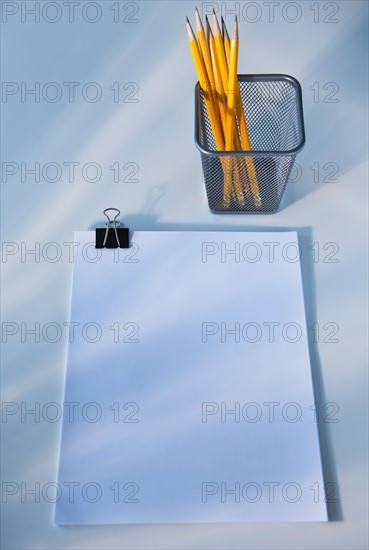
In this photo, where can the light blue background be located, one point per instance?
(157, 134)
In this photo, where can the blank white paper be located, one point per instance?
(188, 394)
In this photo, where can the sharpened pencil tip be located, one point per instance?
(224, 30)
(191, 34)
(199, 24)
(216, 24)
(235, 30)
(222, 22)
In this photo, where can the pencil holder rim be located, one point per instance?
(254, 153)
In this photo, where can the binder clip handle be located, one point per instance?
(112, 224)
(114, 236)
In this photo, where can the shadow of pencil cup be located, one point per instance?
(253, 181)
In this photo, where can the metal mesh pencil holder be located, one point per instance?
(257, 178)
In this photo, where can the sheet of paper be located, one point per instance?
(188, 392)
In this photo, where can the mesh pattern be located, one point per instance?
(273, 112)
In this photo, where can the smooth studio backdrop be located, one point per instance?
(110, 123)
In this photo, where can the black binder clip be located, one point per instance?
(114, 236)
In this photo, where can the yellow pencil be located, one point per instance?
(239, 107)
(204, 49)
(232, 86)
(222, 100)
(246, 145)
(204, 83)
(231, 90)
(219, 46)
(220, 94)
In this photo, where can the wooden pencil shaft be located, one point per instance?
(204, 83)
(221, 52)
(205, 52)
(231, 96)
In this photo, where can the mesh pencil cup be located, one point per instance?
(254, 180)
